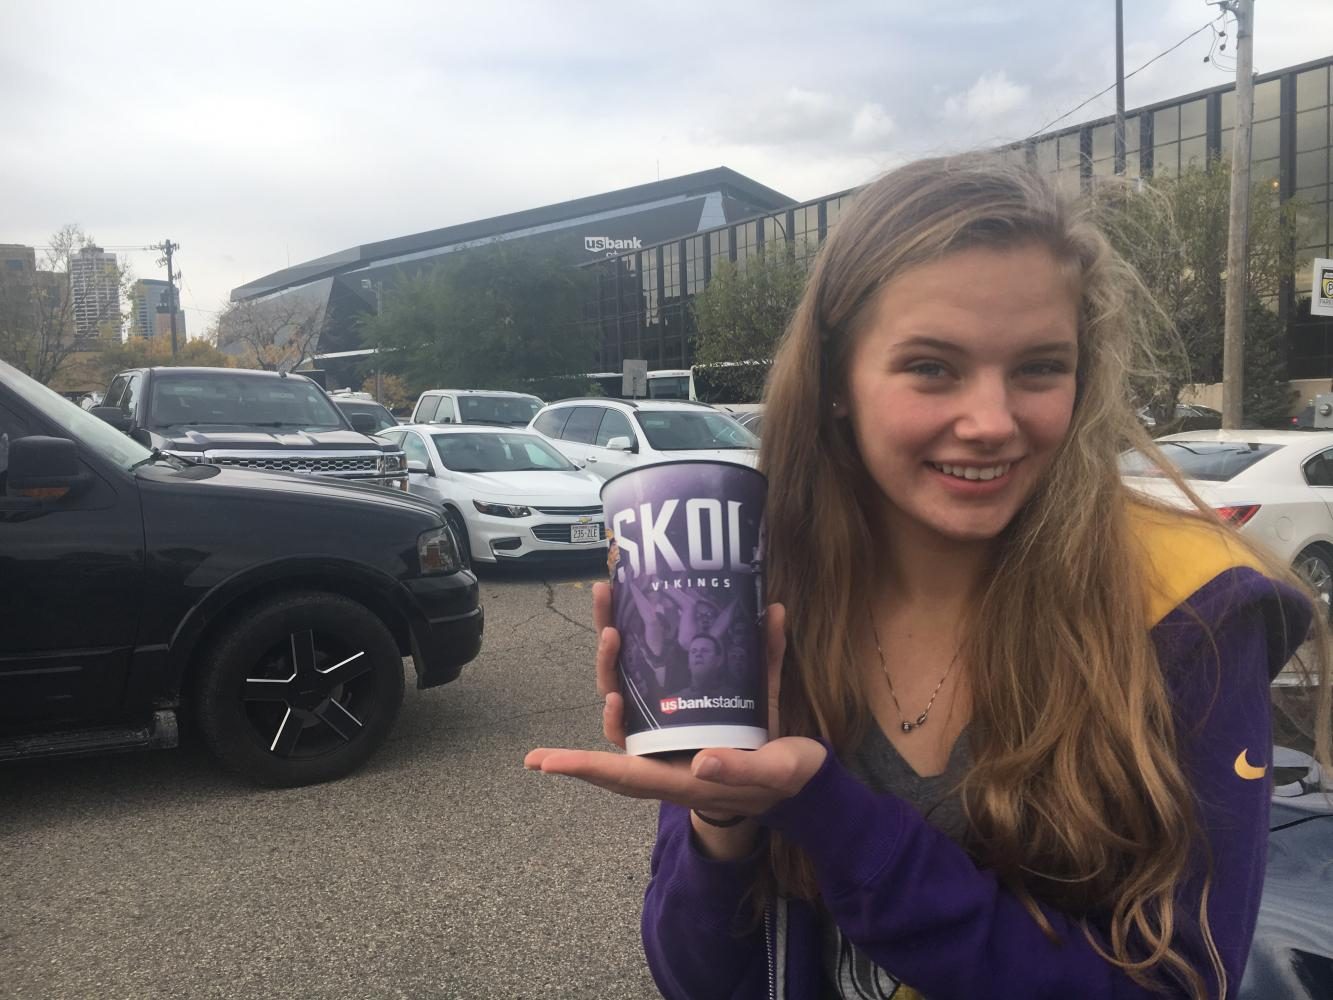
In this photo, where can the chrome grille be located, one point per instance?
(570, 511)
(356, 466)
(560, 532)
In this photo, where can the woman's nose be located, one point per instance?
(987, 415)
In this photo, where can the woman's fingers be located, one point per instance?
(608, 650)
(781, 767)
(601, 605)
(613, 719)
(775, 648)
(646, 778)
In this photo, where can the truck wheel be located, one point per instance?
(456, 525)
(299, 690)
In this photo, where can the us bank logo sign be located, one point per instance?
(1321, 297)
(609, 245)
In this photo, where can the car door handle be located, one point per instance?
(592, 458)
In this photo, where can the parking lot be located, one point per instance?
(441, 869)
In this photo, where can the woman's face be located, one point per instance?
(960, 388)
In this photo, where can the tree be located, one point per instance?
(496, 317)
(1174, 232)
(37, 309)
(741, 316)
(394, 391)
(270, 333)
(140, 352)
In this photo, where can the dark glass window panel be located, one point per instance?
(1312, 129)
(1166, 125)
(1047, 161)
(1166, 160)
(1193, 119)
(1267, 100)
(831, 209)
(1193, 152)
(1265, 170)
(1265, 140)
(1312, 167)
(1229, 109)
(1103, 142)
(1070, 147)
(1312, 89)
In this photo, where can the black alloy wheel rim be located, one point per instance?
(309, 694)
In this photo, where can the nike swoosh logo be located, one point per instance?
(1246, 770)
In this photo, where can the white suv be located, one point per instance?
(475, 406)
(607, 436)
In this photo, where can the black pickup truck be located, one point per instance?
(245, 419)
(271, 610)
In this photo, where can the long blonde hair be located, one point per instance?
(1076, 797)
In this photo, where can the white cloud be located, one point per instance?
(990, 99)
(802, 117)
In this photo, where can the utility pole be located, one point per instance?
(1233, 337)
(168, 248)
(378, 289)
(1119, 88)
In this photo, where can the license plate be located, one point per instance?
(585, 532)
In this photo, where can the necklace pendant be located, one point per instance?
(908, 726)
(921, 719)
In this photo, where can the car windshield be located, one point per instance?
(91, 432)
(498, 453)
(513, 411)
(200, 399)
(383, 418)
(691, 430)
(1212, 461)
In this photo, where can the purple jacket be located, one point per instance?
(918, 906)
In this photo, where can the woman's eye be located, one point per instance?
(927, 369)
(1040, 368)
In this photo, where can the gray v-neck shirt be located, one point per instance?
(848, 974)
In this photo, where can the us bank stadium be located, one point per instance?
(655, 246)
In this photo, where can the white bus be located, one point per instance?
(664, 383)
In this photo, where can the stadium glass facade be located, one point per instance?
(641, 304)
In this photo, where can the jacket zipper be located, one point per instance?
(771, 949)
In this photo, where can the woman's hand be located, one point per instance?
(718, 782)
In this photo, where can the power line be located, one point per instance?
(1102, 93)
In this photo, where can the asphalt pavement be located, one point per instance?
(442, 869)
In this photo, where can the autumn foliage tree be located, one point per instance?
(272, 333)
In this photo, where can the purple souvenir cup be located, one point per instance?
(687, 589)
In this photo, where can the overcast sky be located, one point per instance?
(261, 134)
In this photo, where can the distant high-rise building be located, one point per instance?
(30, 298)
(152, 310)
(94, 282)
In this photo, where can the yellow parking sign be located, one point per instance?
(1321, 296)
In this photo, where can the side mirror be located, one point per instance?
(414, 466)
(363, 422)
(622, 443)
(44, 468)
(113, 415)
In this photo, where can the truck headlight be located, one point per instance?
(437, 552)
(393, 463)
(501, 509)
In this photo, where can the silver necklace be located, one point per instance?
(904, 724)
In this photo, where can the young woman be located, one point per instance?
(1022, 716)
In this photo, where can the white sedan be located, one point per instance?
(507, 494)
(1275, 486)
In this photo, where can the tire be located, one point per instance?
(459, 528)
(1315, 567)
(300, 689)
